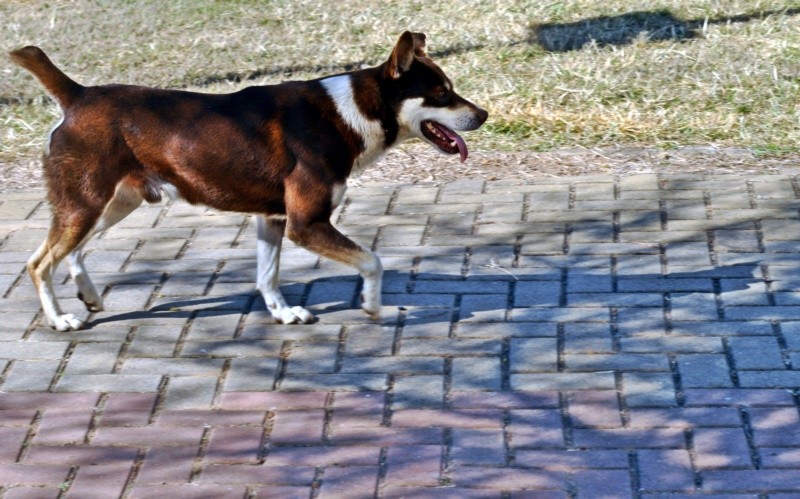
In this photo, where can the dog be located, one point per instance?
(281, 152)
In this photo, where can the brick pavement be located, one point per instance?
(574, 337)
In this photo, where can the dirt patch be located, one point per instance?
(419, 163)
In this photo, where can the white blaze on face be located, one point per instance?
(340, 89)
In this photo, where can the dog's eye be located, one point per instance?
(442, 95)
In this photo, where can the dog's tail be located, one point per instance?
(63, 88)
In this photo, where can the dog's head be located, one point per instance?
(426, 104)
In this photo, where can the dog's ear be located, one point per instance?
(403, 54)
(419, 44)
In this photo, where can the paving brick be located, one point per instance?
(648, 389)
(165, 465)
(337, 482)
(704, 370)
(508, 478)
(247, 474)
(413, 465)
(604, 483)
(194, 491)
(721, 448)
(538, 428)
(30, 375)
(101, 480)
(33, 474)
(629, 437)
(594, 409)
(473, 447)
(232, 445)
(418, 391)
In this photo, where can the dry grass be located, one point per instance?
(578, 73)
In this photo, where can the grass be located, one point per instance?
(578, 73)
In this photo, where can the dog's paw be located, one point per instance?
(93, 303)
(66, 322)
(371, 307)
(292, 315)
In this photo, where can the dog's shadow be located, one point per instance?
(427, 297)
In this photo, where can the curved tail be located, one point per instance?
(63, 88)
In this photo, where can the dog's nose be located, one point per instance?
(482, 115)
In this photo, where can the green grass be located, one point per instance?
(657, 73)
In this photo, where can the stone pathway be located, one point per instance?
(572, 337)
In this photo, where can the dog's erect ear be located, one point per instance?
(408, 46)
(419, 44)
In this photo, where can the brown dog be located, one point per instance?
(282, 152)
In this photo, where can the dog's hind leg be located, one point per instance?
(270, 236)
(125, 200)
(66, 234)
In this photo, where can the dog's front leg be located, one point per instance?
(268, 245)
(322, 238)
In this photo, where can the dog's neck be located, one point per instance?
(360, 102)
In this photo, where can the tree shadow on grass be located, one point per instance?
(623, 29)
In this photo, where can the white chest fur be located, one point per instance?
(340, 90)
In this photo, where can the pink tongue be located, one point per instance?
(462, 146)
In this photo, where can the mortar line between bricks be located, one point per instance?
(732, 372)
(566, 420)
(33, 428)
(123, 350)
(62, 366)
(221, 379)
(6, 370)
(162, 213)
(747, 427)
(237, 332)
(280, 370)
(560, 347)
(68, 482)
(796, 400)
(613, 326)
(327, 419)
(242, 230)
(136, 467)
(16, 283)
(316, 481)
(624, 410)
(765, 274)
(186, 244)
(179, 344)
(382, 470)
(264, 447)
(447, 381)
(97, 413)
(386, 415)
(634, 473)
(510, 456)
(214, 277)
(505, 364)
(455, 315)
(197, 464)
(777, 330)
(161, 396)
(677, 381)
(688, 438)
(446, 464)
(340, 349)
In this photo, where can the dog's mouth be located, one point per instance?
(445, 139)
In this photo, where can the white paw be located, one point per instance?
(66, 322)
(292, 315)
(371, 305)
